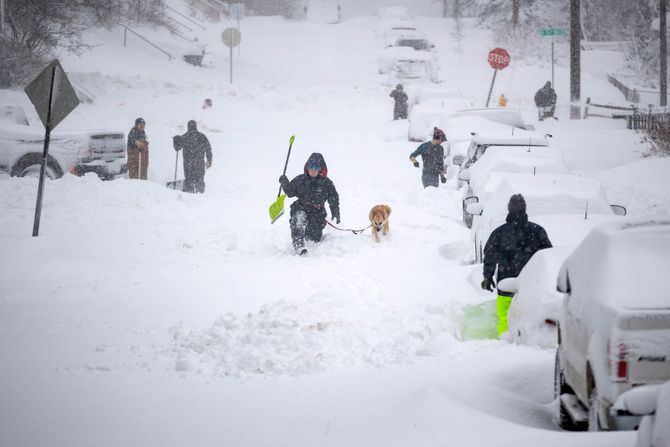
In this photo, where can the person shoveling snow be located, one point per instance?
(308, 214)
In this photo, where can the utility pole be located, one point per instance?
(575, 61)
(515, 13)
(663, 31)
(2, 17)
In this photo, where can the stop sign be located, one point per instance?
(498, 58)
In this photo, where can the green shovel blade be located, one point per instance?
(480, 321)
(277, 208)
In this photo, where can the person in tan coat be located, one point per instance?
(138, 151)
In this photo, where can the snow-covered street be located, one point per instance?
(144, 316)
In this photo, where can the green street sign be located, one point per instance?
(553, 31)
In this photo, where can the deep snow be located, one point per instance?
(145, 316)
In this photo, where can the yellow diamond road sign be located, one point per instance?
(231, 37)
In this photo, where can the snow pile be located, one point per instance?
(327, 332)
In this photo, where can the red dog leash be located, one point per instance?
(349, 229)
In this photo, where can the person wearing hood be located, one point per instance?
(433, 156)
(545, 101)
(196, 149)
(313, 189)
(509, 248)
(400, 103)
(138, 151)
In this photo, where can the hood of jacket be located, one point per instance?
(317, 159)
(191, 126)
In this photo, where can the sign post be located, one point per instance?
(498, 60)
(231, 38)
(54, 98)
(552, 32)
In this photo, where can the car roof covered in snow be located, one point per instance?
(509, 116)
(549, 194)
(506, 159)
(622, 264)
(521, 138)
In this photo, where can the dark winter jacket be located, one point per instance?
(432, 156)
(134, 135)
(511, 246)
(545, 97)
(312, 193)
(400, 98)
(196, 148)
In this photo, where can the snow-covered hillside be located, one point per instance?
(146, 316)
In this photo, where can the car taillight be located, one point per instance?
(618, 360)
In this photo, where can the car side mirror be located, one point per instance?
(619, 210)
(474, 209)
(458, 159)
(563, 283)
(509, 285)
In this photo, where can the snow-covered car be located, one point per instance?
(431, 113)
(481, 178)
(614, 328)
(390, 30)
(21, 147)
(535, 310)
(432, 92)
(652, 403)
(561, 203)
(392, 55)
(479, 144)
(409, 65)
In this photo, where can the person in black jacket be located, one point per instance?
(432, 154)
(400, 103)
(545, 100)
(308, 214)
(509, 248)
(196, 148)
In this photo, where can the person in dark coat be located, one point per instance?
(545, 100)
(509, 248)
(432, 155)
(400, 103)
(308, 214)
(138, 151)
(196, 149)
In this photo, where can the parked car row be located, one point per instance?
(22, 145)
(597, 295)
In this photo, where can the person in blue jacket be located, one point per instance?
(432, 155)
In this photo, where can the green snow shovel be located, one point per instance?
(480, 321)
(277, 208)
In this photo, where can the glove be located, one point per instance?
(209, 164)
(488, 284)
(443, 179)
(283, 180)
(414, 162)
(336, 218)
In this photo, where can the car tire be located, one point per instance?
(560, 387)
(594, 410)
(30, 165)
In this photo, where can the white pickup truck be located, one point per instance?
(21, 146)
(614, 330)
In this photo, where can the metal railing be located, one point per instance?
(125, 39)
(186, 17)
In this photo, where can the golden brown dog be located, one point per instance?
(379, 220)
